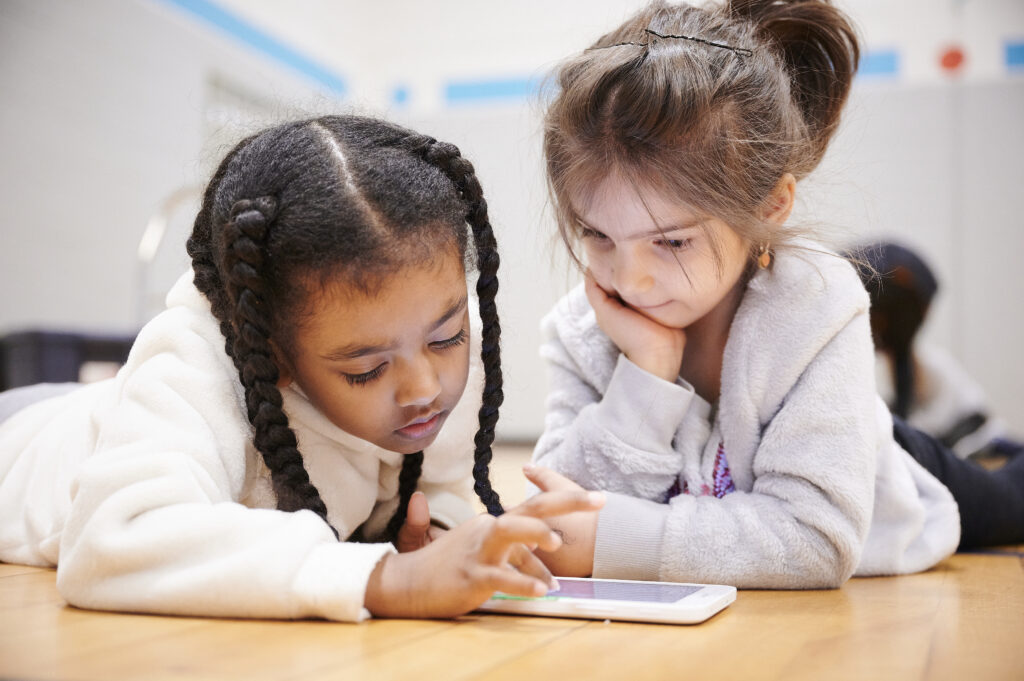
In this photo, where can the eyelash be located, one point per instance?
(671, 244)
(675, 244)
(457, 339)
(360, 379)
(446, 344)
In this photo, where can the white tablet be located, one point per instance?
(616, 599)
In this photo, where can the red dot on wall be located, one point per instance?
(952, 59)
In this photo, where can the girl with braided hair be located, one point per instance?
(714, 373)
(304, 386)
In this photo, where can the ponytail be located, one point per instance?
(818, 46)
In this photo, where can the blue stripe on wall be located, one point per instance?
(1015, 56)
(879, 63)
(400, 95)
(478, 90)
(261, 42)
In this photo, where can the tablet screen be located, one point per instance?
(622, 591)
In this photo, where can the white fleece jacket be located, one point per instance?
(822, 491)
(148, 495)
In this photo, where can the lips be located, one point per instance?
(636, 306)
(644, 308)
(649, 307)
(422, 427)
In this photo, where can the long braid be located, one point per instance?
(448, 159)
(200, 248)
(412, 466)
(244, 236)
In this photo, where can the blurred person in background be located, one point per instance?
(923, 383)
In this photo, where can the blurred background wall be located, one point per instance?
(113, 112)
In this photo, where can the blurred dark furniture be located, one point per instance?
(29, 357)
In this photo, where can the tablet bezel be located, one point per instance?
(693, 608)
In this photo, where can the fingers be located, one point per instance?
(509, 530)
(413, 533)
(590, 281)
(548, 480)
(598, 297)
(418, 515)
(559, 503)
(523, 560)
(513, 583)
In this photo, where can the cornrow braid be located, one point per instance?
(460, 171)
(200, 248)
(244, 237)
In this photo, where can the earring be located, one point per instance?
(764, 256)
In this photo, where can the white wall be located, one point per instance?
(106, 110)
(938, 167)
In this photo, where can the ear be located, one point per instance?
(284, 370)
(779, 205)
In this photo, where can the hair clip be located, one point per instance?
(738, 51)
(741, 51)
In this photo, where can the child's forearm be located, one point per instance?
(385, 590)
(620, 441)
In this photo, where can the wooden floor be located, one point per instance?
(961, 620)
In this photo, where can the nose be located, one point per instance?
(630, 277)
(419, 385)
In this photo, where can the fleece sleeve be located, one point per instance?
(155, 525)
(620, 441)
(805, 521)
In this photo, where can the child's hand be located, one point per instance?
(463, 567)
(653, 347)
(416, 532)
(575, 558)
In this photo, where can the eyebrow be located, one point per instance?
(673, 228)
(355, 350)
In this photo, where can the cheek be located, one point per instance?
(456, 372)
(599, 262)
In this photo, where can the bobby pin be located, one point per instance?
(739, 51)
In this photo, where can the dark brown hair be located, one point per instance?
(712, 106)
(901, 286)
(313, 200)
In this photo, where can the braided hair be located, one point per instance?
(319, 198)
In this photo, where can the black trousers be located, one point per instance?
(991, 501)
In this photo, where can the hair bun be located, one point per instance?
(819, 46)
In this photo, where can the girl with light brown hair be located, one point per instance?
(714, 373)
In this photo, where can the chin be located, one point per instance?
(666, 319)
(407, 447)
